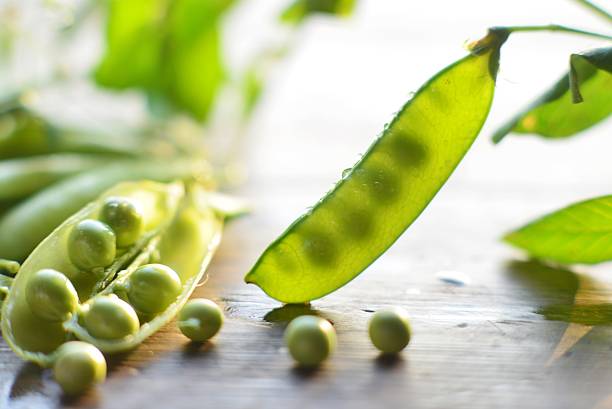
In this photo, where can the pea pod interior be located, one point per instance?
(387, 189)
(180, 229)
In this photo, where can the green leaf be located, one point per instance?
(252, 87)
(580, 233)
(586, 65)
(578, 101)
(380, 197)
(171, 50)
(300, 9)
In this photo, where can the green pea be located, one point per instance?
(109, 317)
(51, 295)
(153, 287)
(310, 340)
(91, 244)
(78, 366)
(390, 330)
(126, 220)
(200, 319)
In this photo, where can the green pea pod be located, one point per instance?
(22, 177)
(181, 231)
(27, 224)
(376, 200)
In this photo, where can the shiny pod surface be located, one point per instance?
(181, 229)
(376, 200)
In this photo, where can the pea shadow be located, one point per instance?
(28, 379)
(285, 314)
(194, 349)
(563, 294)
(307, 373)
(389, 362)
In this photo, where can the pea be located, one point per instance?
(51, 295)
(200, 319)
(310, 340)
(91, 244)
(124, 217)
(390, 330)
(78, 366)
(153, 287)
(109, 317)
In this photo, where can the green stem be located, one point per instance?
(596, 9)
(554, 27)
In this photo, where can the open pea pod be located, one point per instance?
(376, 200)
(180, 230)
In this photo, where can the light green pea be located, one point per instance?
(126, 220)
(310, 340)
(153, 287)
(390, 330)
(109, 317)
(200, 319)
(51, 295)
(78, 366)
(91, 244)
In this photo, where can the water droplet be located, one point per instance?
(345, 172)
(454, 278)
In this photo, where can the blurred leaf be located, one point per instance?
(580, 233)
(586, 65)
(555, 115)
(300, 9)
(252, 87)
(170, 49)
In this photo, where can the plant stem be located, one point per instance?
(596, 9)
(555, 27)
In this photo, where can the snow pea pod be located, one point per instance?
(181, 231)
(24, 176)
(28, 223)
(387, 189)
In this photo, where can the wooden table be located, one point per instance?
(482, 344)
